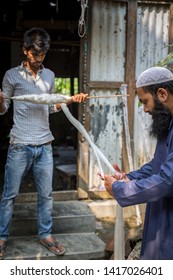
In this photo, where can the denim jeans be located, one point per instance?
(20, 159)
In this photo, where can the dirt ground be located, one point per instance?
(133, 236)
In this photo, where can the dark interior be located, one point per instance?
(60, 18)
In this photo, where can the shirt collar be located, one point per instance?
(28, 70)
(171, 124)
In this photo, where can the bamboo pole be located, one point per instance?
(104, 96)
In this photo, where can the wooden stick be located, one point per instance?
(105, 96)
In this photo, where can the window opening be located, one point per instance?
(66, 86)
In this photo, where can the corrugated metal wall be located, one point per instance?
(152, 40)
(108, 41)
(108, 64)
(106, 131)
(152, 35)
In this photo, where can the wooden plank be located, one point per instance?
(105, 85)
(171, 29)
(67, 170)
(84, 71)
(57, 24)
(130, 71)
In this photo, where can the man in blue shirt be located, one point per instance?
(153, 182)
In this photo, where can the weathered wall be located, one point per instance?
(124, 38)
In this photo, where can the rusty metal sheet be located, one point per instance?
(105, 116)
(108, 38)
(152, 35)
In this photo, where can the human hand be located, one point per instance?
(108, 181)
(1, 98)
(120, 175)
(79, 97)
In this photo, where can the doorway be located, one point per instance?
(60, 18)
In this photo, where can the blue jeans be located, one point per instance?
(20, 158)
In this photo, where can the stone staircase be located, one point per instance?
(74, 226)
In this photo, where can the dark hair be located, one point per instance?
(153, 88)
(37, 39)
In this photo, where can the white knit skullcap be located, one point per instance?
(154, 75)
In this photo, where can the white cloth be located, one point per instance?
(44, 98)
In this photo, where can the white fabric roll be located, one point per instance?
(44, 98)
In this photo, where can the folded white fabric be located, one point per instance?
(44, 98)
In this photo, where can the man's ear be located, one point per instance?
(162, 94)
(24, 51)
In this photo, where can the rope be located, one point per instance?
(82, 24)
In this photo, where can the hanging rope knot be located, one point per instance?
(82, 25)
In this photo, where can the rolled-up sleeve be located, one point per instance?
(7, 89)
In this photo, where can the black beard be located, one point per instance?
(161, 120)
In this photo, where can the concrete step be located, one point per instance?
(24, 197)
(79, 246)
(68, 217)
